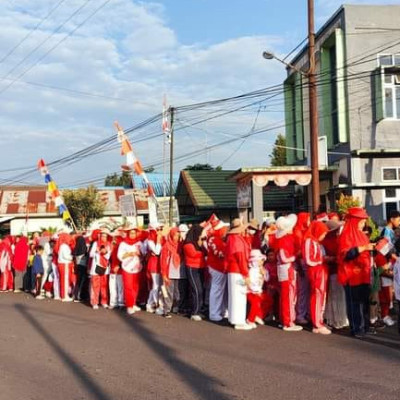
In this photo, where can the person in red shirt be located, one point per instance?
(354, 270)
(317, 271)
(237, 254)
(271, 286)
(303, 286)
(286, 271)
(216, 267)
(194, 255)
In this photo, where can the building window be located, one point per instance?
(390, 174)
(391, 201)
(387, 60)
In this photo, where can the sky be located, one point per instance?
(70, 68)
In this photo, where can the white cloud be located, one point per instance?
(128, 51)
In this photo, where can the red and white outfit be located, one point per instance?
(131, 267)
(317, 272)
(65, 265)
(115, 282)
(153, 269)
(237, 255)
(218, 305)
(6, 256)
(99, 283)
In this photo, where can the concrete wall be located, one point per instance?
(364, 132)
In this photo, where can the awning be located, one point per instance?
(5, 219)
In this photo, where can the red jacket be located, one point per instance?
(216, 253)
(193, 258)
(237, 255)
(313, 256)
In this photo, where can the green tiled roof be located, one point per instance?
(213, 190)
(210, 189)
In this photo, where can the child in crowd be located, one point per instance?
(255, 295)
(37, 272)
(271, 284)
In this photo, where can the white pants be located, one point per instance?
(56, 281)
(116, 286)
(237, 299)
(218, 295)
(46, 268)
(155, 290)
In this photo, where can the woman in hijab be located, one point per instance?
(194, 256)
(63, 248)
(129, 253)
(170, 263)
(303, 286)
(317, 272)
(355, 270)
(335, 310)
(100, 269)
(286, 272)
(237, 253)
(6, 259)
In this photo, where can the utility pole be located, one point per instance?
(171, 169)
(312, 94)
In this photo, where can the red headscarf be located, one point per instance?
(130, 241)
(356, 271)
(21, 254)
(63, 238)
(172, 248)
(316, 230)
(302, 224)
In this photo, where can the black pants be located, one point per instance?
(357, 304)
(195, 277)
(80, 290)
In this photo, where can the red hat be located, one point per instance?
(357, 212)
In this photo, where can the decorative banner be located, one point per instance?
(166, 127)
(132, 163)
(54, 192)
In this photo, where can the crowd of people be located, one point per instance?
(295, 271)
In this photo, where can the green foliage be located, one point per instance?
(202, 167)
(375, 230)
(50, 229)
(115, 179)
(345, 202)
(84, 206)
(278, 156)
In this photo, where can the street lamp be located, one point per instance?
(311, 77)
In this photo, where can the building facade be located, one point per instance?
(358, 81)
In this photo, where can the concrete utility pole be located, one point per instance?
(312, 95)
(171, 170)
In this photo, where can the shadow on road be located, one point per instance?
(205, 386)
(86, 380)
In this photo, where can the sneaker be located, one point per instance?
(373, 320)
(57, 298)
(130, 310)
(95, 307)
(293, 328)
(243, 327)
(195, 318)
(105, 306)
(17, 291)
(252, 324)
(77, 300)
(168, 316)
(48, 295)
(136, 308)
(67, 300)
(259, 321)
(159, 311)
(324, 330)
(371, 331)
(40, 297)
(379, 324)
(388, 321)
(150, 309)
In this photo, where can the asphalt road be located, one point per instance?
(53, 350)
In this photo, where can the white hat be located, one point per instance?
(154, 226)
(183, 228)
(285, 225)
(256, 255)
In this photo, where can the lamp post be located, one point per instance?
(312, 97)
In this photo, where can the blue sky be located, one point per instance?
(73, 76)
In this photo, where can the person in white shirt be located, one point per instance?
(63, 249)
(129, 253)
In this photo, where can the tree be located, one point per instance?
(115, 179)
(84, 205)
(202, 167)
(278, 156)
